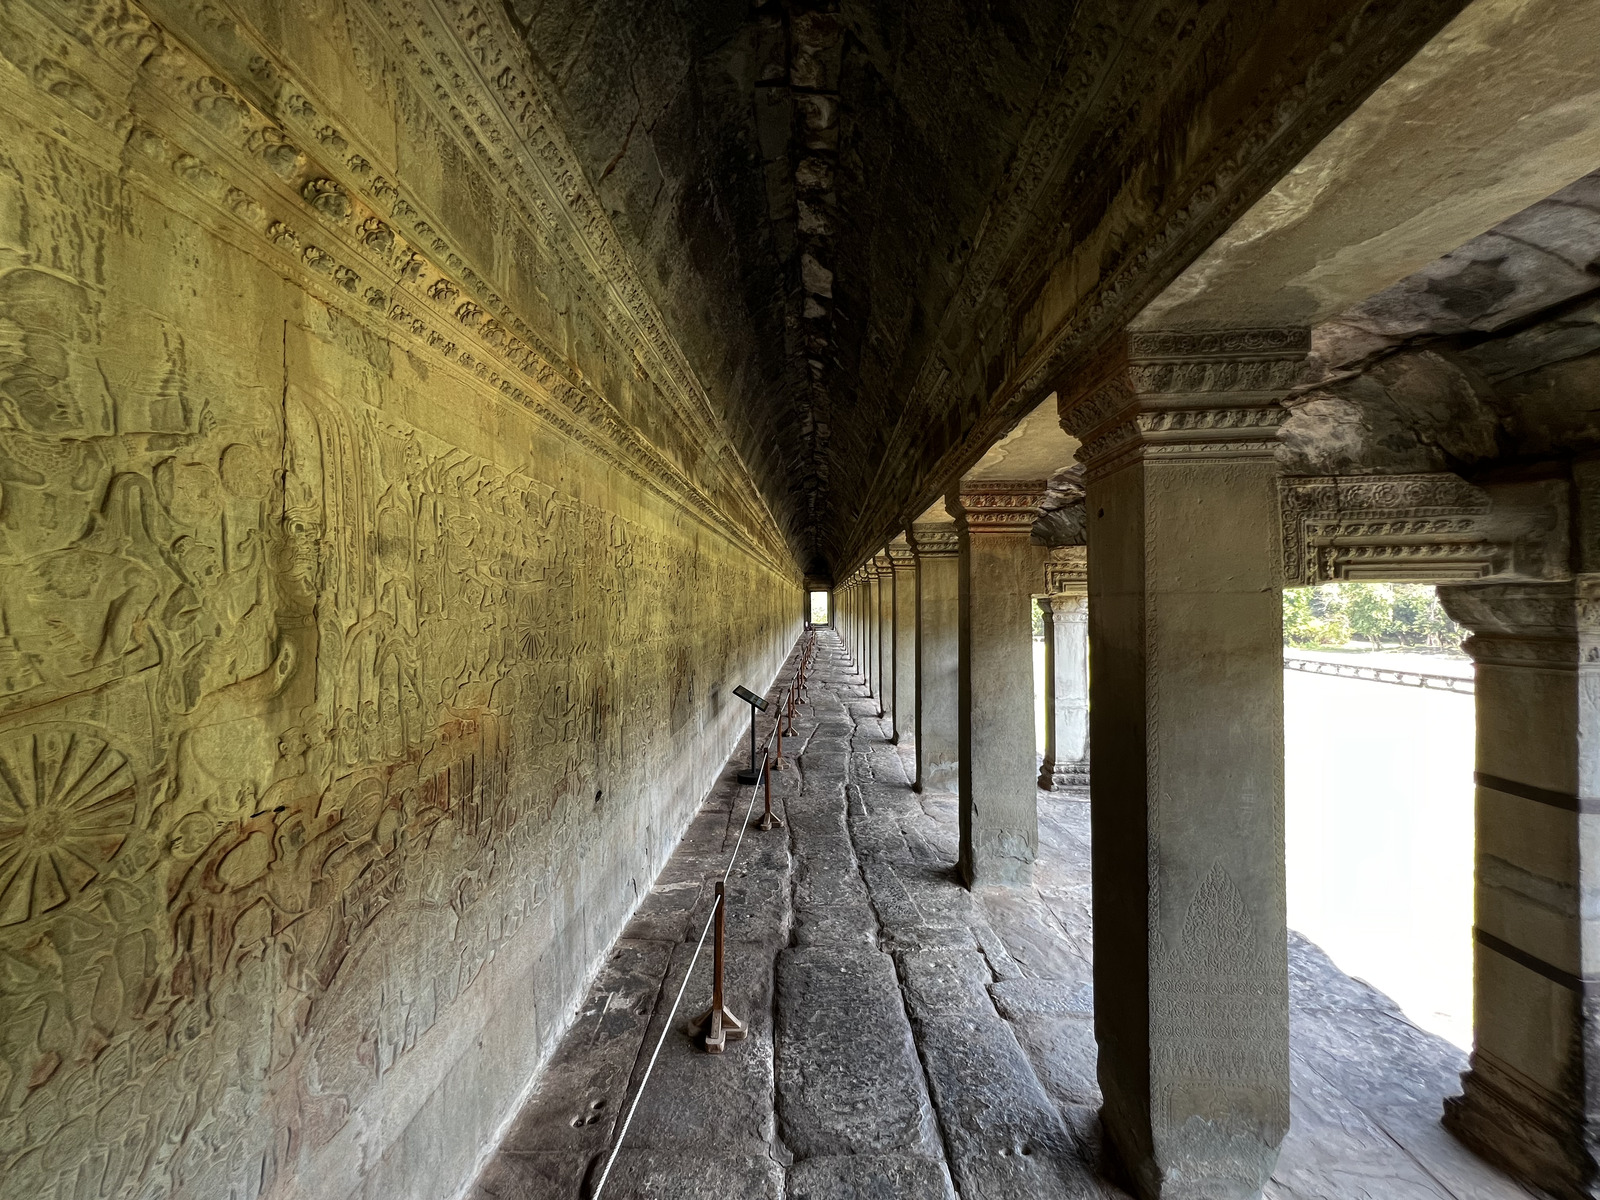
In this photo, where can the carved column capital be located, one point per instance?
(902, 558)
(882, 565)
(934, 540)
(999, 506)
(1157, 393)
(1544, 625)
(1066, 571)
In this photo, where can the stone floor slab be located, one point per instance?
(870, 1177)
(848, 1077)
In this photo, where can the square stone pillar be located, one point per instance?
(1531, 1099)
(856, 655)
(1066, 670)
(904, 706)
(938, 653)
(869, 644)
(884, 619)
(1000, 572)
(1186, 642)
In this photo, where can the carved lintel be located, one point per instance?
(934, 540)
(1066, 571)
(1434, 528)
(1000, 506)
(1206, 395)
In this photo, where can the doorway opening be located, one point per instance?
(1379, 728)
(819, 608)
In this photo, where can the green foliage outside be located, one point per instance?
(1381, 614)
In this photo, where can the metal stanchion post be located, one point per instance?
(778, 762)
(718, 1024)
(767, 819)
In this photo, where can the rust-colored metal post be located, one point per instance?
(768, 820)
(718, 1024)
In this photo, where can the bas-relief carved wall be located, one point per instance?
(369, 572)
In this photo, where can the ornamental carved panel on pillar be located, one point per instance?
(999, 573)
(1178, 433)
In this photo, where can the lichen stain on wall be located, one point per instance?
(350, 637)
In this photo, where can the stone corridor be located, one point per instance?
(909, 1038)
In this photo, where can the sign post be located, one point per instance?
(757, 704)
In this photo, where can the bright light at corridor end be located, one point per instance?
(819, 608)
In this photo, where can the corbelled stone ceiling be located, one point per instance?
(880, 231)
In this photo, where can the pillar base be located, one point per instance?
(1524, 1130)
(1055, 777)
(998, 859)
(1202, 1160)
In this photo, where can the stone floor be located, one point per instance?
(909, 1038)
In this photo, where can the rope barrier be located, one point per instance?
(718, 906)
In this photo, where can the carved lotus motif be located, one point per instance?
(66, 804)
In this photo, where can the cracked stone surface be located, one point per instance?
(909, 1038)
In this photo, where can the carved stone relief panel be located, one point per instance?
(354, 621)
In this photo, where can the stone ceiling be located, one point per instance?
(880, 232)
(1487, 357)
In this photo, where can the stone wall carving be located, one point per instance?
(1434, 528)
(329, 478)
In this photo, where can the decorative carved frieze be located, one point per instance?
(1000, 506)
(1434, 528)
(1422, 527)
(934, 540)
(1163, 393)
(266, 168)
(1066, 571)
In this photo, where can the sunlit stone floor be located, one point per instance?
(909, 1038)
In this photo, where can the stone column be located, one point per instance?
(885, 621)
(1066, 670)
(938, 653)
(850, 619)
(1000, 570)
(857, 650)
(1185, 634)
(869, 631)
(855, 621)
(905, 638)
(1530, 1100)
